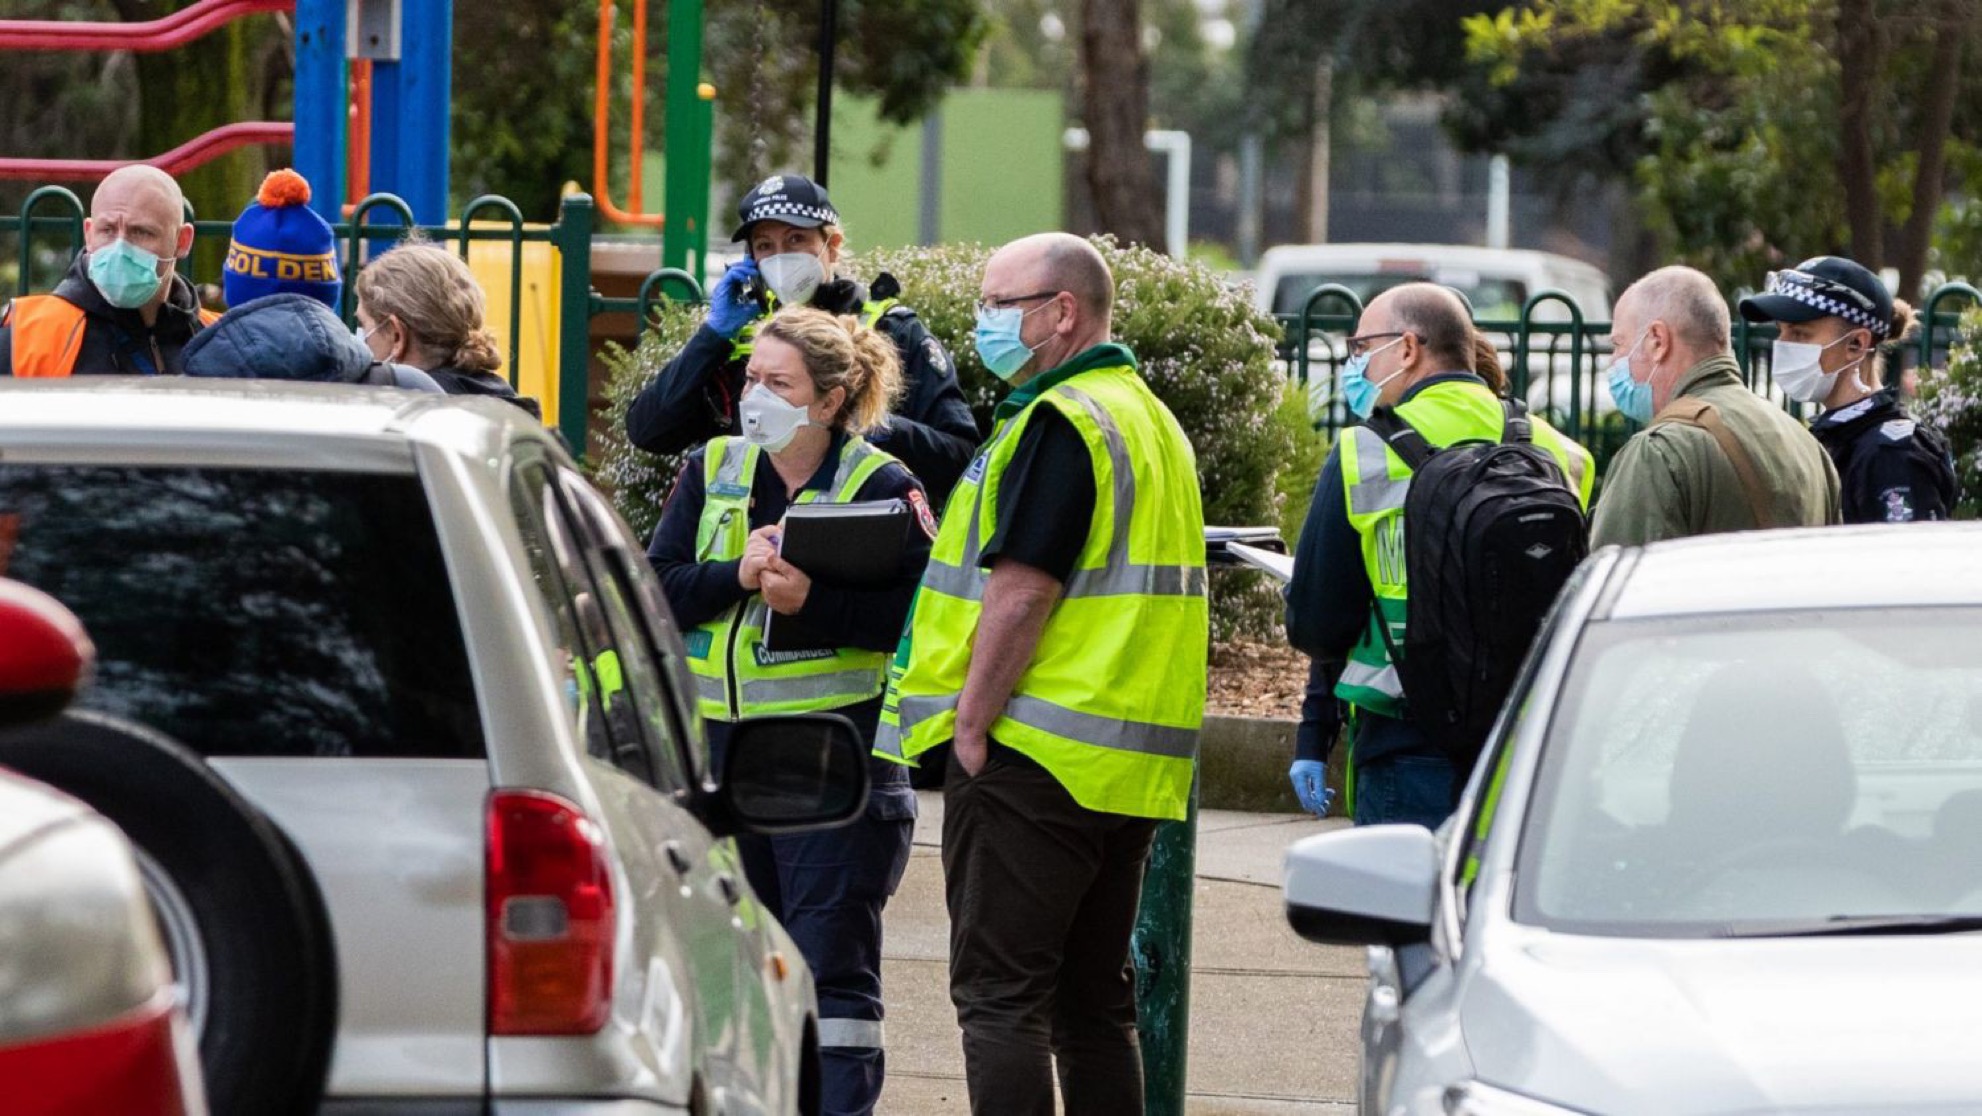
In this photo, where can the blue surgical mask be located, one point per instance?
(1358, 393)
(125, 274)
(998, 342)
(1633, 398)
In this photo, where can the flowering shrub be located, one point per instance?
(1951, 399)
(1204, 350)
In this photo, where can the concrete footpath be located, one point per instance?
(1273, 1018)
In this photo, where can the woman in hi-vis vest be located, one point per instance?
(815, 383)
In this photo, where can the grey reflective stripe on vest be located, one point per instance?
(730, 469)
(711, 689)
(1373, 489)
(812, 687)
(855, 454)
(1382, 679)
(1118, 577)
(1072, 724)
(863, 1034)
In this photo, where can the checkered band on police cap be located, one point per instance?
(791, 198)
(1816, 300)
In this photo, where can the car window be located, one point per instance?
(253, 612)
(1493, 298)
(641, 670)
(1712, 774)
(540, 524)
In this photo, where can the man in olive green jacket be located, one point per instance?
(1714, 456)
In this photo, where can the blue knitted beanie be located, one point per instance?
(280, 244)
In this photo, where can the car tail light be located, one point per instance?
(550, 917)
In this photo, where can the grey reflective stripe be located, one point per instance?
(1120, 464)
(711, 689)
(1102, 732)
(913, 709)
(863, 1034)
(1368, 677)
(888, 739)
(1373, 489)
(856, 684)
(1146, 581)
(736, 451)
(955, 581)
(856, 453)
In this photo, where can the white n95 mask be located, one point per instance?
(769, 420)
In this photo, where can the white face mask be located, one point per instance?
(793, 276)
(1797, 368)
(768, 420)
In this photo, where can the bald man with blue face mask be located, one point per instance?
(122, 309)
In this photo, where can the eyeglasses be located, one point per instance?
(1360, 345)
(986, 305)
(1779, 282)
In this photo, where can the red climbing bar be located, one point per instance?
(175, 30)
(200, 149)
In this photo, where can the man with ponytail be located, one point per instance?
(815, 385)
(1836, 323)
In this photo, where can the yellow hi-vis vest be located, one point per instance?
(1375, 482)
(1113, 699)
(736, 676)
(746, 339)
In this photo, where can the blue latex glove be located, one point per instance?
(730, 305)
(1310, 779)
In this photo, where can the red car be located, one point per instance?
(89, 1017)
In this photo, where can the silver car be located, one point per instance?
(390, 703)
(1723, 853)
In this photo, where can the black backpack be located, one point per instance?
(1492, 530)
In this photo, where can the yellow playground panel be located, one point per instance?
(536, 325)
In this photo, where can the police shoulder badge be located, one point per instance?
(923, 515)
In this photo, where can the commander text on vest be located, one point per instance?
(1059, 639)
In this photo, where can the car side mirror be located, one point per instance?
(794, 772)
(45, 657)
(1375, 885)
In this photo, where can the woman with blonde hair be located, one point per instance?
(814, 386)
(1835, 321)
(419, 305)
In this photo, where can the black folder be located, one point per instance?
(847, 546)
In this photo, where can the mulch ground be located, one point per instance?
(1257, 679)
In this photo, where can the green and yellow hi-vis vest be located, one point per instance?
(746, 339)
(1375, 482)
(1113, 699)
(736, 676)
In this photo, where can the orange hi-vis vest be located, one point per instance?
(48, 334)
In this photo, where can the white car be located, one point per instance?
(390, 703)
(1721, 855)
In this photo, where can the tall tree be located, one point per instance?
(1115, 108)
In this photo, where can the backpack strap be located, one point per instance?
(1700, 413)
(1402, 438)
(1516, 427)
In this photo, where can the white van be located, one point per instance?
(1497, 282)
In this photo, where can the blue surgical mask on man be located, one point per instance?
(1632, 396)
(998, 343)
(125, 274)
(1359, 393)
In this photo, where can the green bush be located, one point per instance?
(1204, 350)
(1951, 399)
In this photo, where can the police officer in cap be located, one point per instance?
(1834, 318)
(793, 243)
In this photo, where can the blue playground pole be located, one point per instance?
(321, 108)
(410, 107)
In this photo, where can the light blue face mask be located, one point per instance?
(125, 274)
(1633, 398)
(1359, 394)
(998, 342)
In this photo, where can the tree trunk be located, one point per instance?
(190, 90)
(1860, 52)
(1115, 105)
(1936, 119)
(1320, 136)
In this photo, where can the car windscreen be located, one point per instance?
(1755, 773)
(253, 612)
(1492, 298)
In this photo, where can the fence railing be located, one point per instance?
(1557, 358)
(48, 233)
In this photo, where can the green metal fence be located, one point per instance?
(1556, 358)
(48, 232)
